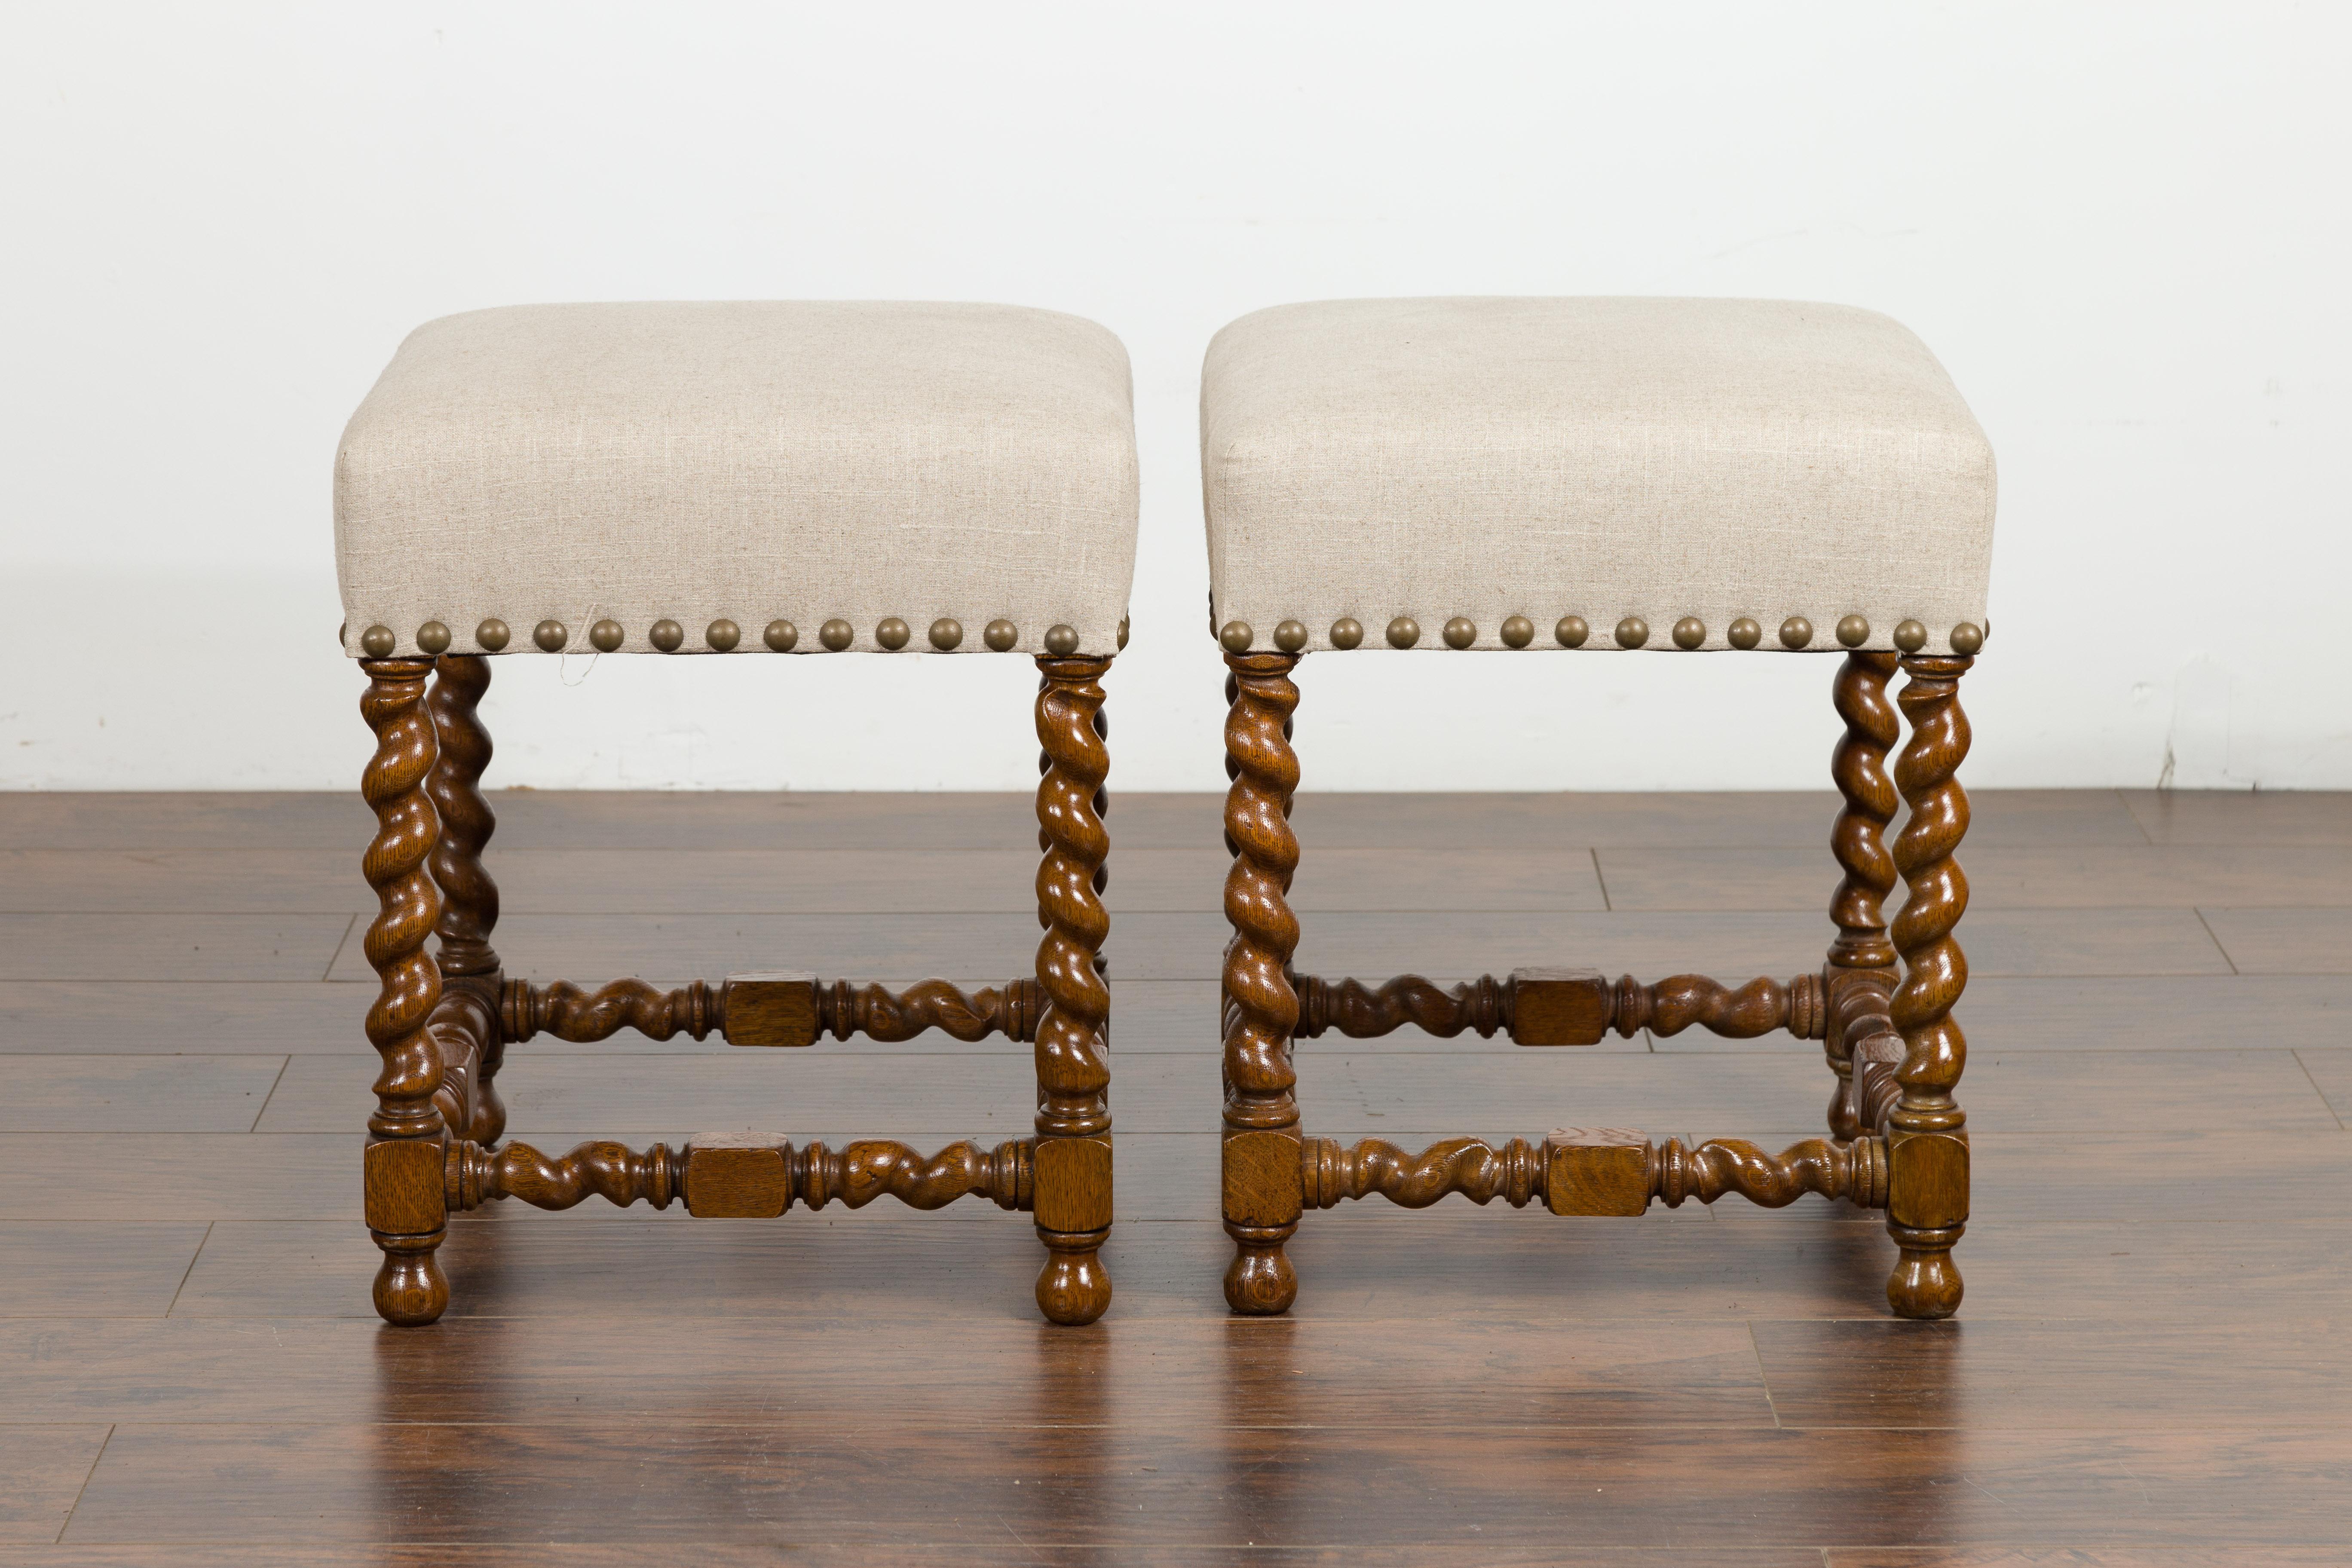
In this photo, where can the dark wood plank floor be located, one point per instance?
(2153, 1364)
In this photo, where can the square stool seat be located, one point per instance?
(1702, 472)
(753, 464)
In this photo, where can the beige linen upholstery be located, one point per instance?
(1601, 458)
(747, 462)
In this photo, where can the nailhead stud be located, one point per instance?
(551, 636)
(1061, 640)
(433, 638)
(1403, 632)
(781, 637)
(1633, 632)
(1236, 636)
(1853, 631)
(1123, 639)
(1910, 635)
(492, 635)
(1347, 632)
(1518, 631)
(1796, 632)
(377, 642)
(342, 633)
(1001, 635)
(1571, 631)
(1290, 635)
(835, 633)
(1461, 632)
(1689, 632)
(947, 633)
(893, 633)
(1967, 637)
(666, 635)
(1744, 633)
(722, 635)
(606, 635)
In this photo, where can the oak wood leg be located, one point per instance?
(1072, 1157)
(1262, 1181)
(403, 1161)
(1927, 1142)
(467, 1026)
(1860, 976)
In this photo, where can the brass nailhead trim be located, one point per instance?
(1744, 632)
(492, 635)
(1403, 632)
(1571, 631)
(893, 633)
(667, 635)
(781, 637)
(1633, 632)
(1236, 636)
(722, 635)
(1853, 631)
(1347, 632)
(837, 633)
(947, 633)
(1460, 632)
(1061, 640)
(1911, 636)
(1001, 635)
(551, 636)
(606, 636)
(1796, 632)
(1290, 635)
(433, 638)
(1967, 637)
(1689, 632)
(377, 642)
(1518, 631)
(1122, 633)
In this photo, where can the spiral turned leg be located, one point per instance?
(405, 1205)
(1927, 1145)
(1073, 1158)
(1263, 1191)
(469, 898)
(1860, 974)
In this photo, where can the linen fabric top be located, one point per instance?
(751, 462)
(1596, 457)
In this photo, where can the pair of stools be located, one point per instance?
(740, 480)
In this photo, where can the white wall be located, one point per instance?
(2123, 228)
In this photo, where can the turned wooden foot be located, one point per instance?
(1074, 1287)
(1926, 1283)
(1259, 1281)
(410, 1288)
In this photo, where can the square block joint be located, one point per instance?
(1559, 1006)
(738, 1176)
(1597, 1171)
(771, 1008)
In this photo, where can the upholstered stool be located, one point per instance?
(738, 480)
(1673, 476)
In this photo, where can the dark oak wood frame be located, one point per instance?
(442, 1020)
(1881, 1006)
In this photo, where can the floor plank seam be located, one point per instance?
(2317, 1088)
(83, 1491)
(335, 957)
(2199, 910)
(266, 1098)
(189, 1272)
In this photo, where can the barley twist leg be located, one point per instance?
(473, 1046)
(403, 1156)
(1073, 1158)
(1927, 1150)
(1262, 1192)
(1860, 976)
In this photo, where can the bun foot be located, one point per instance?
(1925, 1284)
(1259, 1281)
(410, 1288)
(1074, 1288)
